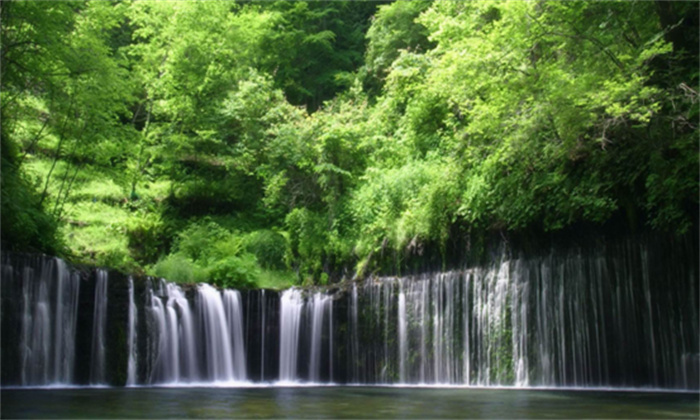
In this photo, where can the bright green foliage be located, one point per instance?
(310, 240)
(145, 235)
(395, 29)
(529, 111)
(540, 115)
(270, 249)
(63, 92)
(405, 207)
(314, 47)
(533, 104)
(205, 251)
(261, 143)
(25, 222)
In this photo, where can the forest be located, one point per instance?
(266, 144)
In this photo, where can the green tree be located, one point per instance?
(231, 141)
(315, 47)
(394, 29)
(64, 88)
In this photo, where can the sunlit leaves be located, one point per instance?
(467, 116)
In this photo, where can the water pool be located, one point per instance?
(343, 402)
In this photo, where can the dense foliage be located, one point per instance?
(264, 143)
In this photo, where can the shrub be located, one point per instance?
(145, 237)
(269, 247)
(197, 239)
(235, 271)
(178, 268)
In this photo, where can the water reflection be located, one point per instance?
(342, 402)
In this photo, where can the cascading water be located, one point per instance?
(158, 337)
(316, 314)
(215, 334)
(403, 334)
(622, 315)
(214, 351)
(318, 311)
(132, 364)
(99, 324)
(306, 323)
(234, 309)
(354, 333)
(181, 353)
(263, 318)
(290, 321)
(558, 320)
(49, 315)
(331, 355)
(171, 336)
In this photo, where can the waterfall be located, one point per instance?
(187, 337)
(467, 369)
(403, 350)
(561, 319)
(423, 319)
(331, 355)
(263, 323)
(214, 351)
(133, 348)
(234, 315)
(374, 322)
(99, 324)
(519, 316)
(318, 310)
(216, 335)
(49, 315)
(428, 328)
(389, 328)
(291, 306)
(158, 337)
(354, 335)
(172, 339)
(621, 314)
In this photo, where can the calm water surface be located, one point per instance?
(343, 402)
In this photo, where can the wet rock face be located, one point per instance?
(83, 339)
(620, 313)
(47, 322)
(261, 334)
(11, 313)
(116, 345)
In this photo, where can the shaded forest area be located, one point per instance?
(276, 143)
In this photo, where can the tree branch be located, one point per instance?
(580, 35)
(58, 152)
